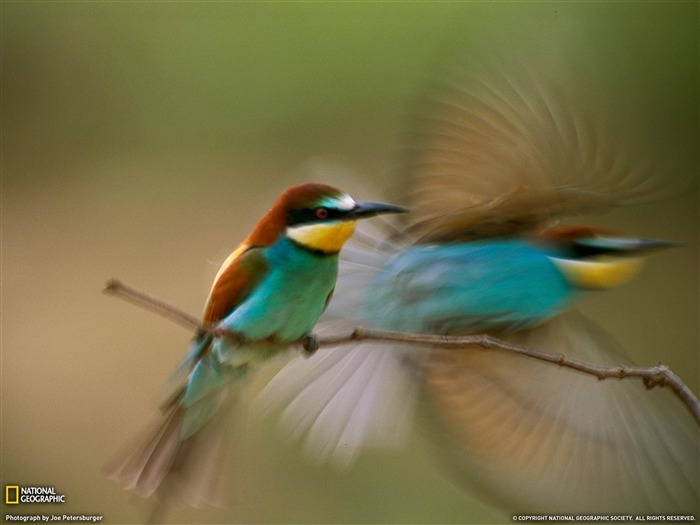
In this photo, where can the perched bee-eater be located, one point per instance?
(268, 293)
(497, 162)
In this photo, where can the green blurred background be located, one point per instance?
(143, 140)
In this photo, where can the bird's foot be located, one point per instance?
(310, 344)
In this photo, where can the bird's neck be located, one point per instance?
(268, 229)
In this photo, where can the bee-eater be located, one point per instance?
(268, 293)
(497, 162)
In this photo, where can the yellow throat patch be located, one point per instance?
(326, 237)
(600, 273)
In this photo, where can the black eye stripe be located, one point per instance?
(308, 215)
(583, 250)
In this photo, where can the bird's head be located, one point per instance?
(595, 258)
(316, 216)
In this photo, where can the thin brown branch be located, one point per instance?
(121, 290)
(659, 375)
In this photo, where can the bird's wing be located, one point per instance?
(240, 273)
(237, 277)
(496, 153)
(532, 437)
(342, 400)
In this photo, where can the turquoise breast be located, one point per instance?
(291, 298)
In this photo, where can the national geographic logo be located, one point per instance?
(14, 495)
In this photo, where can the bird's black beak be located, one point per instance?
(363, 210)
(622, 245)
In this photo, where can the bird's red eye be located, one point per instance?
(321, 213)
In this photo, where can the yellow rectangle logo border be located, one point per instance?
(7, 494)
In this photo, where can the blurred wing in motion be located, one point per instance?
(496, 154)
(534, 438)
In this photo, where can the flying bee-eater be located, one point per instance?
(268, 294)
(498, 160)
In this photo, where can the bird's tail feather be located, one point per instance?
(172, 469)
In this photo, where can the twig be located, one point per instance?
(659, 375)
(121, 290)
